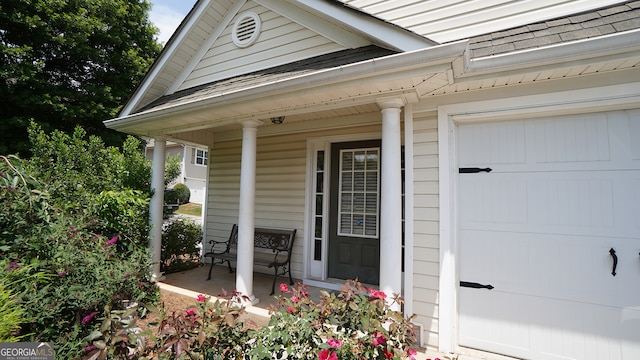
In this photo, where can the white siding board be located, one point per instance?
(448, 20)
(281, 41)
(426, 253)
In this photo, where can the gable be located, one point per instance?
(279, 41)
(203, 51)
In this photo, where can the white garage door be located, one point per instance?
(559, 210)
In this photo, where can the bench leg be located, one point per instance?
(275, 277)
(230, 269)
(211, 268)
(290, 278)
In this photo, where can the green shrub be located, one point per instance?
(69, 230)
(356, 323)
(182, 193)
(181, 239)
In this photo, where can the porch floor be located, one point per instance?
(193, 282)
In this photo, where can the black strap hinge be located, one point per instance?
(473, 170)
(475, 285)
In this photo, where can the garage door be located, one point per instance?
(550, 236)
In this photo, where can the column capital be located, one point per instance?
(251, 123)
(395, 102)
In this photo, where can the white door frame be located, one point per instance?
(316, 274)
(616, 97)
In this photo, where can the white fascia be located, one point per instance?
(386, 33)
(165, 55)
(403, 64)
(605, 47)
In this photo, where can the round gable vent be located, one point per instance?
(246, 29)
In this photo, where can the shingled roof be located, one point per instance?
(270, 75)
(607, 20)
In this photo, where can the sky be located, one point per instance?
(166, 15)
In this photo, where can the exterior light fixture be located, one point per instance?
(277, 120)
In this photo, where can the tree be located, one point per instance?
(68, 63)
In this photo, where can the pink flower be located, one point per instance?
(89, 317)
(90, 348)
(284, 287)
(327, 355)
(190, 311)
(377, 294)
(111, 242)
(378, 339)
(334, 343)
(304, 293)
(295, 299)
(412, 353)
(290, 309)
(201, 298)
(62, 273)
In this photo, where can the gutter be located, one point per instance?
(574, 52)
(417, 61)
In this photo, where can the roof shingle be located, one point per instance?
(599, 22)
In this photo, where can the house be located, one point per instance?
(481, 158)
(194, 160)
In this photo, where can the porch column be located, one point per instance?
(391, 198)
(247, 209)
(156, 204)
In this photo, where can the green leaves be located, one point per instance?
(69, 63)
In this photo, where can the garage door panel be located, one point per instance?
(573, 268)
(499, 324)
(546, 228)
(589, 203)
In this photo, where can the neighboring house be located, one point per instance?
(311, 109)
(194, 161)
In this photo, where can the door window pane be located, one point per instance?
(359, 192)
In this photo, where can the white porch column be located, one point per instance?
(156, 204)
(391, 198)
(247, 209)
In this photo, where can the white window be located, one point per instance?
(201, 157)
(359, 189)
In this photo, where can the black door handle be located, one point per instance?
(612, 252)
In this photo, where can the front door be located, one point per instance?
(354, 242)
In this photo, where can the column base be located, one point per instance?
(157, 277)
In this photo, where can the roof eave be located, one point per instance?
(385, 66)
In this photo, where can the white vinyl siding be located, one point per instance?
(186, 50)
(426, 226)
(281, 41)
(280, 185)
(449, 20)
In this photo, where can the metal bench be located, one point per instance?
(272, 248)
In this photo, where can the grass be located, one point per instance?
(190, 209)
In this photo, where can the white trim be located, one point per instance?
(408, 211)
(204, 48)
(380, 31)
(313, 145)
(205, 207)
(339, 35)
(159, 64)
(606, 47)
(415, 63)
(616, 97)
(248, 15)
